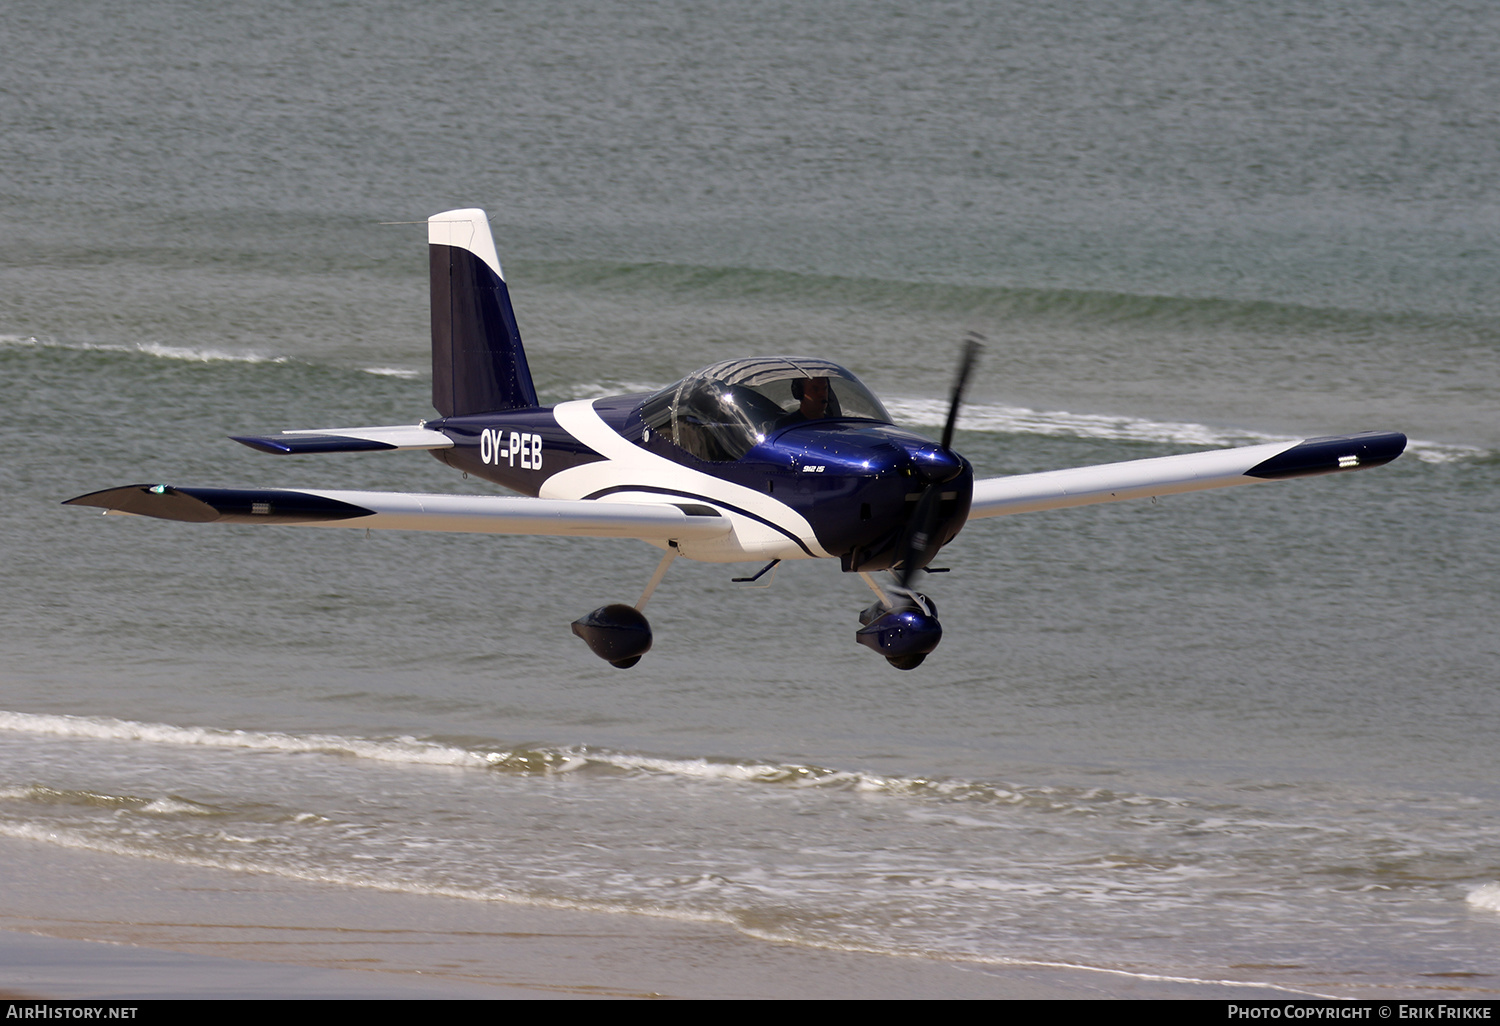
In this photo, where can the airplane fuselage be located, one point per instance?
(833, 487)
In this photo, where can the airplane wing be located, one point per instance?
(403, 511)
(1190, 472)
(360, 439)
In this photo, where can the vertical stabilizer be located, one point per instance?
(478, 365)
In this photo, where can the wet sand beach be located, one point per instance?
(82, 925)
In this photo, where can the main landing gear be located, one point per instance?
(620, 634)
(902, 626)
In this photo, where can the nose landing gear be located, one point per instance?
(902, 626)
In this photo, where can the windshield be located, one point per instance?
(720, 412)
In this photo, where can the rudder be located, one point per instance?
(478, 364)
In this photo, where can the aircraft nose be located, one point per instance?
(934, 465)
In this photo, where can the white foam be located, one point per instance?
(542, 760)
(193, 355)
(82, 840)
(393, 372)
(401, 750)
(1061, 423)
(170, 806)
(202, 355)
(1444, 452)
(1486, 897)
(349, 877)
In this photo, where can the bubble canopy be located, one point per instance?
(721, 412)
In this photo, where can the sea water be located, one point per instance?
(1239, 735)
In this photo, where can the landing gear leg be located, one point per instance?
(620, 634)
(661, 571)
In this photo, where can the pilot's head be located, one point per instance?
(811, 392)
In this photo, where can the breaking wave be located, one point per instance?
(571, 759)
(1021, 420)
(187, 353)
(981, 417)
(1486, 896)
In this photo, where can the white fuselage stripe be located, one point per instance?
(627, 465)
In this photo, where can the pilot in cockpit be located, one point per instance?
(813, 395)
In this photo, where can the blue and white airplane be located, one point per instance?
(762, 459)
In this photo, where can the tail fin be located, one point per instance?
(478, 365)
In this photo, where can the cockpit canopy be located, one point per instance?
(721, 412)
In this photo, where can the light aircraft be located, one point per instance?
(762, 459)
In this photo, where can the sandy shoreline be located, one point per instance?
(177, 931)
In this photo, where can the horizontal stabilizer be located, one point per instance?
(362, 439)
(403, 511)
(1189, 472)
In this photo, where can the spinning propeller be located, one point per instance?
(920, 542)
(905, 629)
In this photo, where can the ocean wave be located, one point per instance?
(205, 355)
(1022, 420)
(812, 903)
(574, 759)
(994, 418)
(100, 728)
(747, 922)
(165, 352)
(1486, 896)
(83, 839)
(168, 805)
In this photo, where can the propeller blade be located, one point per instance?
(919, 544)
(972, 345)
(919, 541)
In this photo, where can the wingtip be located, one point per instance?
(1332, 454)
(149, 500)
(227, 505)
(310, 443)
(262, 444)
(107, 498)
